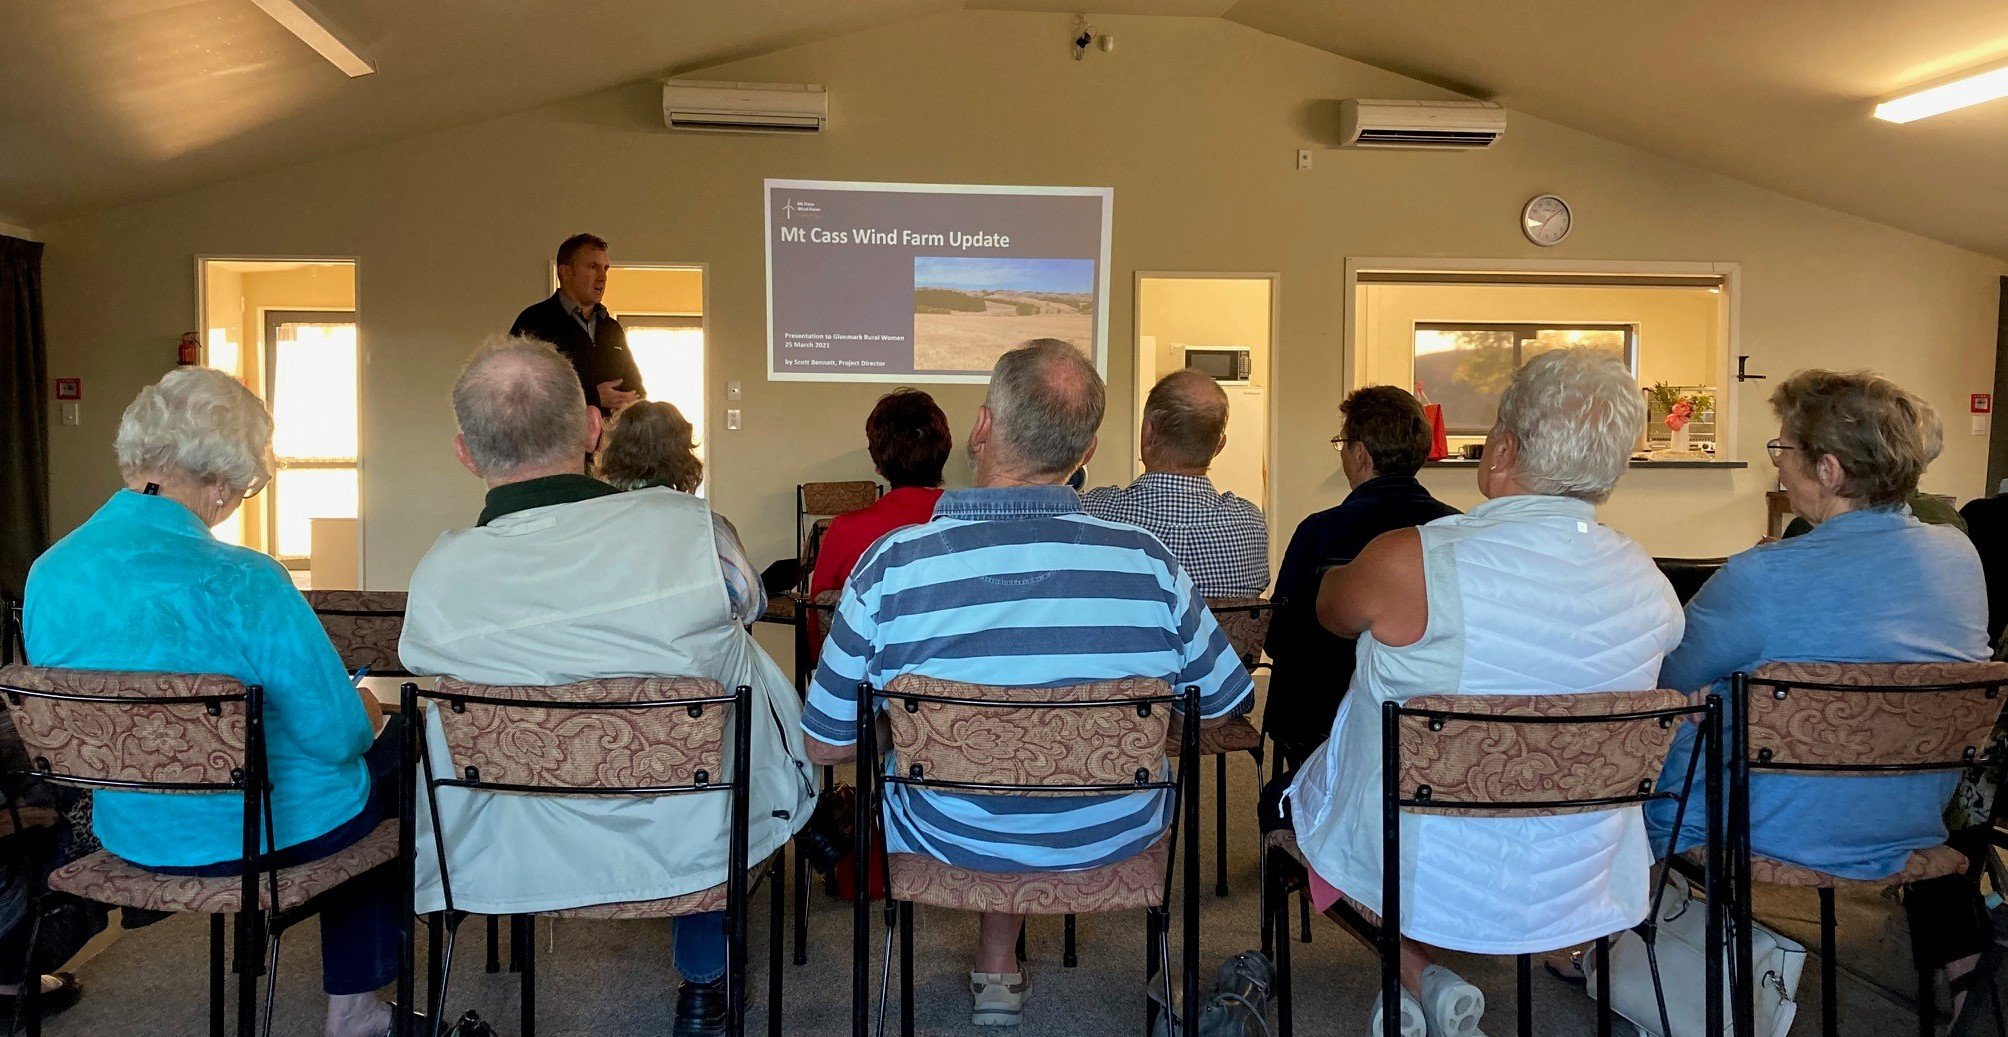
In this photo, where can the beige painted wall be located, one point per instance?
(1194, 122)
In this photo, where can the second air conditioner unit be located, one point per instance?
(744, 107)
(1430, 125)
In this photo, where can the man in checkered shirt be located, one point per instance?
(1220, 539)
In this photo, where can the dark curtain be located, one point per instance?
(24, 414)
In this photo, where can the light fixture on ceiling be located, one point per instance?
(314, 30)
(1964, 92)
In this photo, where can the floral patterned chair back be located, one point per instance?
(170, 743)
(1026, 745)
(1890, 715)
(1537, 761)
(578, 749)
(364, 627)
(1245, 621)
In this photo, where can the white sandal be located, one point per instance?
(1452, 1006)
(1412, 1024)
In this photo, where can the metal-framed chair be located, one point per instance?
(1848, 719)
(1112, 737)
(672, 734)
(77, 727)
(13, 646)
(812, 624)
(1245, 621)
(818, 502)
(1457, 755)
(364, 627)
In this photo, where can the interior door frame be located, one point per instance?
(355, 265)
(269, 319)
(1275, 279)
(714, 415)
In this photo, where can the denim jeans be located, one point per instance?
(359, 930)
(699, 944)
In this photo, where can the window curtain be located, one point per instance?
(24, 417)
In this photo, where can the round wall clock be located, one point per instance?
(1545, 220)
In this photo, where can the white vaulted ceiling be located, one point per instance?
(105, 101)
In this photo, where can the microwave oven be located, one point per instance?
(1221, 363)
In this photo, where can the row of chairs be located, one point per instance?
(1465, 755)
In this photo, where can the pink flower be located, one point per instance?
(1678, 417)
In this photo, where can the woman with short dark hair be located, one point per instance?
(909, 442)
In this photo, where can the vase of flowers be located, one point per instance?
(1681, 408)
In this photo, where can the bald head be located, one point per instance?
(1184, 422)
(520, 408)
(1045, 406)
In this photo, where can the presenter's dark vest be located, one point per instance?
(601, 357)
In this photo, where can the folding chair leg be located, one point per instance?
(1152, 922)
(250, 947)
(1265, 896)
(1304, 913)
(777, 910)
(1069, 953)
(801, 907)
(906, 968)
(217, 994)
(445, 931)
(29, 999)
(527, 927)
(1220, 825)
(1830, 1016)
(1526, 992)
(1603, 986)
(494, 962)
(271, 981)
(1279, 906)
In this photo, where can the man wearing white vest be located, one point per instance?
(565, 579)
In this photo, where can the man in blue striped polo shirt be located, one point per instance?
(1011, 585)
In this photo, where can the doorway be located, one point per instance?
(1223, 324)
(288, 330)
(661, 307)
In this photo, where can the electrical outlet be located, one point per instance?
(1303, 158)
(732, 422)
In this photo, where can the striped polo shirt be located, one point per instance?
(1015, 587)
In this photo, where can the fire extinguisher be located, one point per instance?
(190, 352)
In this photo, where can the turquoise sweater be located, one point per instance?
(143, 586)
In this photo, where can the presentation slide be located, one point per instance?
(930, 282)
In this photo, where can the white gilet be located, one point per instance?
(1527, 595)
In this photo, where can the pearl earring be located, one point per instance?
(219, 502)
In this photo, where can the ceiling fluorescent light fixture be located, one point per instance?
(1977, 88)
(313, 29)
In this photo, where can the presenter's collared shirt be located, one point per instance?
(142, 585)
(1017, 587)
(1221, 539)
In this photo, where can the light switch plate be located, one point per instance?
(71, 415)
(732, 419)
(1979, 424)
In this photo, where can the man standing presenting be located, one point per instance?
(573, 320)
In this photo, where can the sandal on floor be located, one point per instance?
(1412, 1024)
(1452, 1006)
(1573, 975)
(66, 993)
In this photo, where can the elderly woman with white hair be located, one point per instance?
(1524, 595)
(143, 585)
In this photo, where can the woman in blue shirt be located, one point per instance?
(1870, 583)
(142, 585)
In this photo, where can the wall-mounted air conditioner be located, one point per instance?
(1431, 125)
(744, 107)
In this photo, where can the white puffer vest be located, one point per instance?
(1527, 596)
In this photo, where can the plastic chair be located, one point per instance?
(673, 731)
(1115, 731)
(205, 734)
(1462, 755)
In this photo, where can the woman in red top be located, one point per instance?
(909, 442)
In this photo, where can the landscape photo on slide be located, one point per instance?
(968, 311)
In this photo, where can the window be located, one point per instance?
(1465, 366)
(311, 368)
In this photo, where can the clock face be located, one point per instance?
(1545, 220)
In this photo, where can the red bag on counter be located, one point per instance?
(1439, 440)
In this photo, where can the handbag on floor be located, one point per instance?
(1682, 933)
